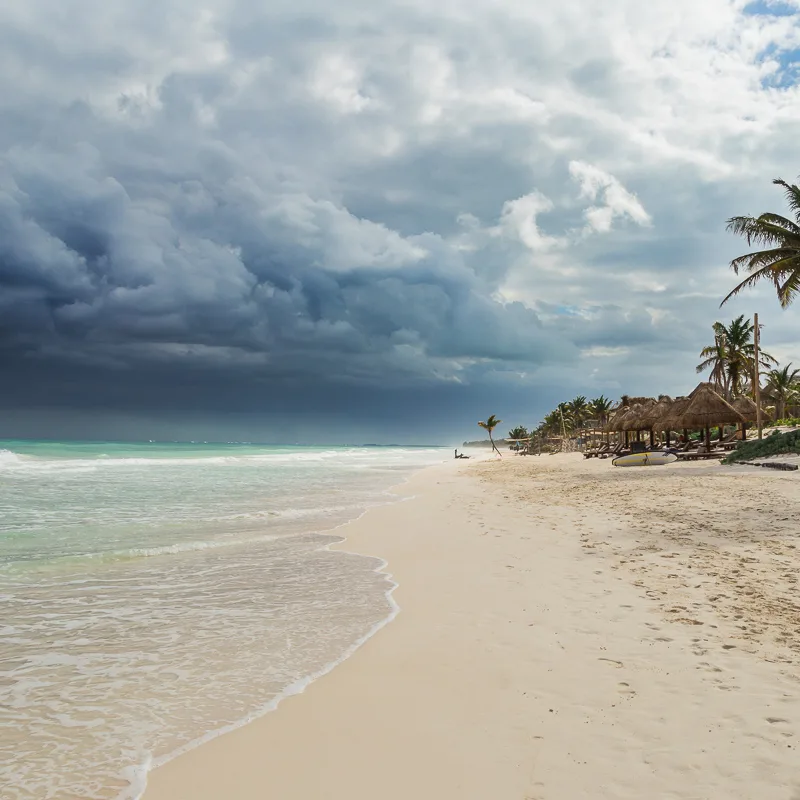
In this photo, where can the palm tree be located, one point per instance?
(490, 424)
(715, 358)
(579, 410)
(600, 408)
(566, 418)
(782, 388)
(780, 263)
(732, 356)
(552, 422)
(520, 432)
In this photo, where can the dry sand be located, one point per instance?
(568, 630)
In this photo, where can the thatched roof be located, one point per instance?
(747, 408)
(657, 412)
(672, 416)
(618, 419)
(706, 408)
(633, 401)
(636, 418)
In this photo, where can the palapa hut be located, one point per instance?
(637, 418)
(748, 409)
(614, 419)
(706, 408)
(616, 422)
(656, 414)
(672, 419)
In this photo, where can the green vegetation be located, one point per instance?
(773, 445)
(786, 422)
(779, 264)
(731, 358)
(520, 432)
(783, 387)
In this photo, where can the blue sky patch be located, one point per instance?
(769, 8)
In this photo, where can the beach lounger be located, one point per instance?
(698, 455)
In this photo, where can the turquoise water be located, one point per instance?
(155, 593)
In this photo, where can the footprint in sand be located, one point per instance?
(617, 664)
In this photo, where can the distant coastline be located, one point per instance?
(484, 443)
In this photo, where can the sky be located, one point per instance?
(376, 221)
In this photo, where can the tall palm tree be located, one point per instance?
(579, 409)
(732, 356)
(566, 418)
(600, 408)
(552, 422)
(782, 388)
(490, 424)
(715, 358)
(779, 264)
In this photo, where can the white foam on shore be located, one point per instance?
(48, 583)
(138, 774)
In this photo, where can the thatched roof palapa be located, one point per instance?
(747, 408)
(673, 414)
(618, 419)
(658, 412)
(706, 408)
(636, 419)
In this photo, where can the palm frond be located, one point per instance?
(754, 277)
(792, 228)
(789, 288)
(792, 195)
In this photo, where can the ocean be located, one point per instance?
(157, 594)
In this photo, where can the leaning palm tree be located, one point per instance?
(490, 424)
(779, 264)
(782, 388)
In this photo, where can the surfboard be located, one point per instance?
(647, 459)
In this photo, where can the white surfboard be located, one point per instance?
(650, 458)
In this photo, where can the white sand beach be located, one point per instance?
(567, 630)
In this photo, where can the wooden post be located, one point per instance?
(756, 377)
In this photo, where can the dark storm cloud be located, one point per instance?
(299, 209)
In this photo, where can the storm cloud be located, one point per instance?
(286, 219)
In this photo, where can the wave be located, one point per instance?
(8, 457)
(137, 774)
(355, 457)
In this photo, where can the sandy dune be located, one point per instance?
(568, 630)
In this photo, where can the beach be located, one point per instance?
(566, 630)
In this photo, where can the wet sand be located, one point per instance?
(567, 630)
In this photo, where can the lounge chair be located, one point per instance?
(597, 451)
(612, 452)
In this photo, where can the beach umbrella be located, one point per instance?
(707, 408)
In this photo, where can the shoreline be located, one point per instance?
(395, 494)
(532, 659)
